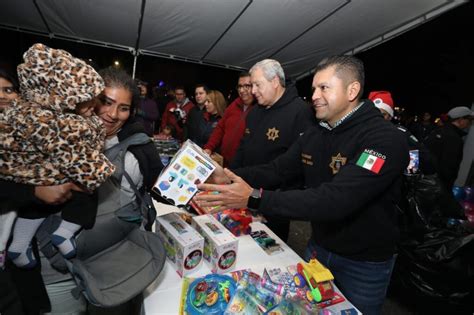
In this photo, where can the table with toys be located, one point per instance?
(267, 277)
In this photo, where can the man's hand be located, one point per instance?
(219, 176)
(55, 195)
(231, 196)
(209, 152)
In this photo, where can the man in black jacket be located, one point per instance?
(352, 165)
(272, 127)
(446, 144)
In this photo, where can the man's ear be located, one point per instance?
(353, 90)
(275, 82)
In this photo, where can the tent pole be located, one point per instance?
(135, 56)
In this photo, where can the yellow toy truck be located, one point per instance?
(317, 277)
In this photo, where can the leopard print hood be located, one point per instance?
(54, 78)
(42, 141)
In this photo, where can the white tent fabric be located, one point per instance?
(227, 33)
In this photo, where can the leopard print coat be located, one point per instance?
(42, 140)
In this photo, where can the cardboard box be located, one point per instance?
(220, 246)
(184, 246)
(189, 167)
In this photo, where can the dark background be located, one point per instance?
(429, 68)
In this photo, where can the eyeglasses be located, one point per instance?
(244, 86)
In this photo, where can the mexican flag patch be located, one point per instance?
(371, 160)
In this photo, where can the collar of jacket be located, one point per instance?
(326, 125)
(366, 110)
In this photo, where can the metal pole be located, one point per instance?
(135, 56)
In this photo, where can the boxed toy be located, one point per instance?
(183, 245)
(188, 168)
(220, 246)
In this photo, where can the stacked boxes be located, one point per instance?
(183, 245)
(220, 246)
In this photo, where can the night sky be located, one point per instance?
(430, 68)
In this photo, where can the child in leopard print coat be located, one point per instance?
(50, 137)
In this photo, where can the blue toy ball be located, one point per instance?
(458, 193)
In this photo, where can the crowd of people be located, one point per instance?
(338, 163)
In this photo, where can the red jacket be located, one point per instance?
(229, 131)
(169, 118)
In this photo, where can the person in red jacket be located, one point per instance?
(176, 112)
(229, 131)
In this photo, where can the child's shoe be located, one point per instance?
(23, 260)
(66, 246)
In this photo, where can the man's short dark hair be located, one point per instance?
(180, 87)
(347, 68)
(244, 74)
(201, 85)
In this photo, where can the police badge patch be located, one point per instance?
(336, 163)
(272, 133)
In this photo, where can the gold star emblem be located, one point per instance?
(272, 133)
(336, 163)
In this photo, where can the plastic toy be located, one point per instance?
(267, 243)
(317, 278)
(458, 193)
(209, 294)
(288, 307)
(242, 303)
(236, 221)
(468, 194)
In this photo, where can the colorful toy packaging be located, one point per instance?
(189, 167)
(207, 295)
(414, 164)
(183, 245)
(254, 295)
(237, 221)
(267, 243)
(288, 307)
(199, 209)
(220, 246)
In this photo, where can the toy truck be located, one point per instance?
(317, 278)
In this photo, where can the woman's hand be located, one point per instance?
(57, 194)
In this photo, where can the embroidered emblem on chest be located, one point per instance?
(272, 133)
(336, 163)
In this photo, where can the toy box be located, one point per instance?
(183, 245)
(236, 221)
(220, 246)
(188, 168)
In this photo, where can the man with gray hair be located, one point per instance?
(273, 126)
(352, 164)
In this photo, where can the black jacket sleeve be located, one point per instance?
(350, 190)
(15, 196)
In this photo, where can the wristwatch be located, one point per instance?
(254, 199)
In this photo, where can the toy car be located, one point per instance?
(317, 278)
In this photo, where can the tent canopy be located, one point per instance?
(228, 33)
